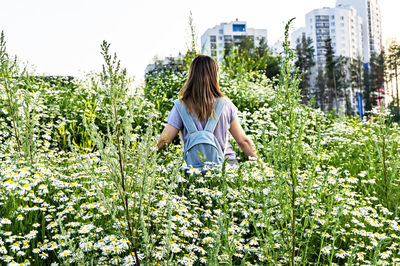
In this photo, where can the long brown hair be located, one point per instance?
(201, 87)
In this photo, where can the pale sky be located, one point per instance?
(62, 37)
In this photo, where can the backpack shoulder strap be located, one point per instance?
(186, 118)
(212, 121)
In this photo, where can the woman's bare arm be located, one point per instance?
(245, 143)
(167, 136)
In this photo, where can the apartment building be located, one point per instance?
(370, 13)
(341, 24)
(215, 39)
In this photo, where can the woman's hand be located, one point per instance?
(166, 136)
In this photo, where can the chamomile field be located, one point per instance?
(81, 181)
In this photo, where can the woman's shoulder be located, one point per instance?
(228, 103)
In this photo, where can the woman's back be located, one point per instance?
(228, 115)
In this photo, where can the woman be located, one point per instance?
(199, 95)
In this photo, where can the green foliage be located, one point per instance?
(324, 190)
(162, 88)
(249, 93)
(248, 58)
(304, 63)
(118, 148)
(371, 153)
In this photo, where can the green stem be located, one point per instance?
(14, 120)
(125, 195)
(385, 167)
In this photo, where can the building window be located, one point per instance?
(213, 38)
(341, 18)
(320, 45)
(332, 23)
(220, 38)
(333, 17)
(228, 38)
(221, 31)
(238, 27)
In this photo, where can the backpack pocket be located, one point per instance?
(202, 147)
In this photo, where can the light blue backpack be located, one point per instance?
(201, 147)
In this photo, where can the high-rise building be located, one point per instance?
(341, 24)
(370, 13)
(214, 40)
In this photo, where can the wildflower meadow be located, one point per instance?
(82, 183)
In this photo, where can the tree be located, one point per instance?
(356, 74)
(270, 64)
(377, 76)
(247, 57)
(343, 82)
(330, 66)
(320, 91)
(393, 63)
(305, 61)
(374, 79)
(367, 88)
(337, 78)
